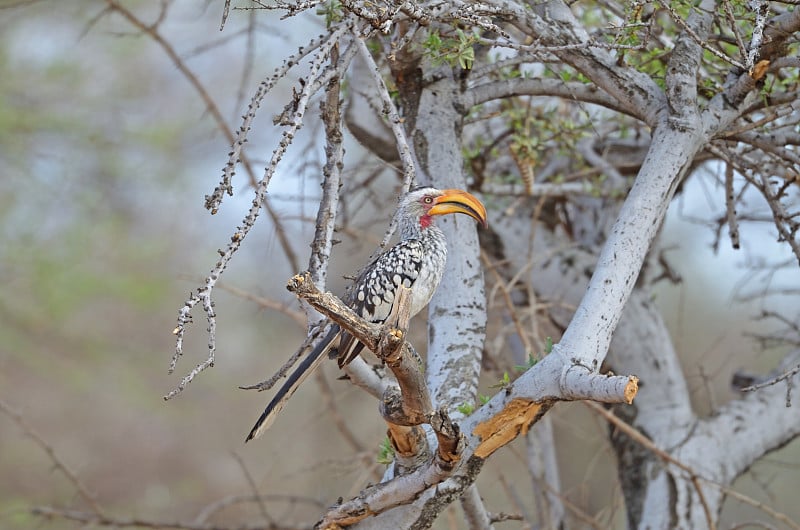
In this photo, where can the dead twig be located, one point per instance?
(133, 522)
(83, 491)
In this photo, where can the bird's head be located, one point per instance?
(421, 204)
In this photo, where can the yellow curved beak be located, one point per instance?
(459, 201)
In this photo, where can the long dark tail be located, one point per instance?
(306, 368)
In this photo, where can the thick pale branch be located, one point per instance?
(513, 411)
(683, 63)
(475, 511)
(761, 418)
(456, 324)
(366, 377)
(588, 336)
(382, 497)
(572, 91)
(578, 383)
(692, 473)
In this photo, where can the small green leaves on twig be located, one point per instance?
(532, 359)
(505, 382)
(385, 452)
(332, 11)
(466, 408)
(531, 362)
(458, 50)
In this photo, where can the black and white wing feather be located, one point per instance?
(373, 292)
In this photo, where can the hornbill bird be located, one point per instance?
(416, 262)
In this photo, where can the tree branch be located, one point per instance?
(72, 477)
(758, 418)
(204, 294)
(404, 149)
(588, 336)
(554, 25)
(133, 522)
(409, 407)
(330, 109)
(694, 475)
(475, 511)
(570, 91)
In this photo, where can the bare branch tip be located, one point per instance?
(297, 281)
(631, 389)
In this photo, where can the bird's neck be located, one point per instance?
(422, 229)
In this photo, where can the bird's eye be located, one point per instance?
(427, 199)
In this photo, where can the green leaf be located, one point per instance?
(503, 383)
(466, 408)
(531, 362)
(332, 11)
(385, 452)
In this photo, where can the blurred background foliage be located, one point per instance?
(106, 153)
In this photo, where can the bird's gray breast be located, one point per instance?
(414, 263)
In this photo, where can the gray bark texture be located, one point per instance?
(578, 148)
(612, 314)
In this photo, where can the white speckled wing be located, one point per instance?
(415, 263)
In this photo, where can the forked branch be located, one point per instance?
(404, 407)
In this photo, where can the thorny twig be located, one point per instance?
(210, 510)
(152, 31)
(730, 206)
(238, 141)
(311, 340)
(697, 39)
(786, 375)
(781, 216)
(726, 5)
(404, 148)
(203, 293)
(333, 413)
(406, 152)
(332, 178)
